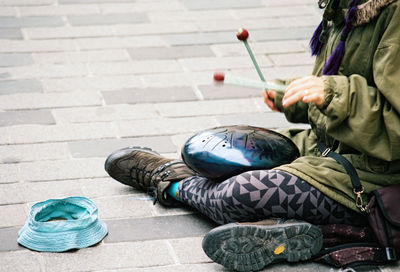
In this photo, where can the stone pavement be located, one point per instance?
(81, 78)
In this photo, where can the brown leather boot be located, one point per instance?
(146, 170)
(252, 246)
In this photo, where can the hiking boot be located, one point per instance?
(252, 246)
(146, 170)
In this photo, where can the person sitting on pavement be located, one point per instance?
(352, 104)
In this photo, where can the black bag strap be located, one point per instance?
(355, 254)
(380, 254)
(358, 189)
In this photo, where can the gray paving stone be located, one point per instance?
(8, 238)
(46, 71)
(153, 28)
(105, 113)
(8, 11)
(270, 47)
(292, 59)
(102, 148)
(142, 6)
(62, 169)
(179, 268)
(24, 134)
(15, 59)
(281, 12)
(41, 33)
(201, 38)
(10, 33)
(300, 21)
(20, 261)
(20, 86)
(105, 187)
(27, 101)
(180, 139)
(126, 206)
(218, 64)
(135, 67)
(110, 256)
(286, 2)
(38, 191)
(26, 117)
(33, 152)
(189, 16)
(14, 22)
(26, 2)
(4, 75)
(165, 126)
(177, 79)
(12, 215)
(227, 91)
(176, 52)
(98, 83)
(267, 120)
(9, 173)
(149, 95)
(74, 9)
(209, 4)
(210, 107)
(283, 34)
(90, 1)
(15, 46)
(156, 228)
(189, 250)
(81, 57)
(120, 42)
(107, 19)
(160, 210)
(292, 72)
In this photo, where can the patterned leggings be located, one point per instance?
(261, 194)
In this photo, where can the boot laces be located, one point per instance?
(152, 188)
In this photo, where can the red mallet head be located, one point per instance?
(219, 77)
(242, 34)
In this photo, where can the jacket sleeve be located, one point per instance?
(364, 117)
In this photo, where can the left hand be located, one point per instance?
(308, 89)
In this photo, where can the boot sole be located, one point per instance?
(124, 151)
(251, 248)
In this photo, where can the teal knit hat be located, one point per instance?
(58, 225)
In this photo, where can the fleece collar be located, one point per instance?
(369, 10)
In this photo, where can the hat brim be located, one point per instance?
(62, 241)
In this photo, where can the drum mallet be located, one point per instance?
(242, 35)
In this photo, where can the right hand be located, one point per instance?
(269, 96)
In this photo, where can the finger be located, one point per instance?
(269, 102)
(292, 89)
(292, 99)
(271, 94)
(313, 98)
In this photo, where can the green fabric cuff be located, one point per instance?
(329, 87)
(278, 100)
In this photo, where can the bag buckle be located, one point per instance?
(390, 254)
(326, 152)
(359, 201)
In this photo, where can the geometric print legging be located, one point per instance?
(262, 194)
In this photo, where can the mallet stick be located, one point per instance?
(242, 35)
(240, 81)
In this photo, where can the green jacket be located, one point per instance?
(361, 109)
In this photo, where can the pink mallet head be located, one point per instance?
(242, 34)
(219, 77)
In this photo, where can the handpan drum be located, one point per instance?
(222, 152)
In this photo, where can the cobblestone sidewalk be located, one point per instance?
(81, 78)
